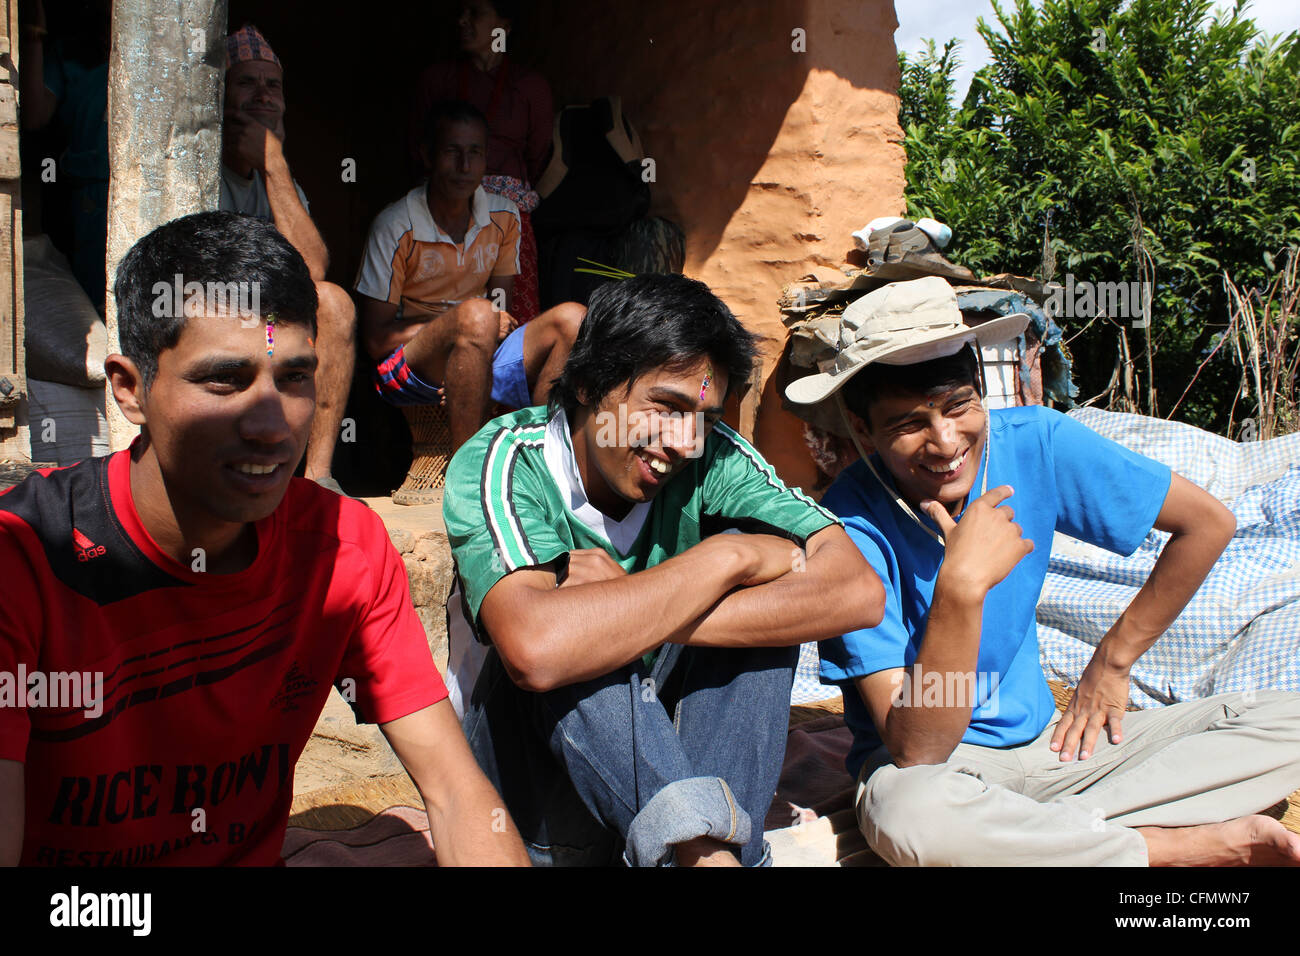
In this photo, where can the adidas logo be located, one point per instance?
(86, 549)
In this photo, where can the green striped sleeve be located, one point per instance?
(739, 483)
(495, 509)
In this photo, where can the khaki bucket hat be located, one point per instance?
(902, 323)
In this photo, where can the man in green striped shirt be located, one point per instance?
(623, 667)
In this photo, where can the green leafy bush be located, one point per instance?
(1119, 142)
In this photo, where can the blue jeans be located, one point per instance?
(633, 762)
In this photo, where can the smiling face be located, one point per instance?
(458, 160)
(255, 89)
(637, 439)
(227, 423)
(931, 444)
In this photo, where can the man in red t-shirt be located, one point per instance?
(175, 614)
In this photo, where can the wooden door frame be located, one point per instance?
(15, 439)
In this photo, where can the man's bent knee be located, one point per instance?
(568, 318)
(336, 315)
(559, 324)
(911, 816)
(685, 810)
(1273, 712)
(477, 324)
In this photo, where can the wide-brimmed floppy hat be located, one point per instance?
(902, 323)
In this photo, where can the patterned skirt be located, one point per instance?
(527, 299)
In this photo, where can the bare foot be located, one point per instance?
(1246, 841)
(705, 851)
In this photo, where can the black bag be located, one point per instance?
(594, 180)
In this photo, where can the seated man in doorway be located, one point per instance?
(436, 284)
(960, 754)
(636, 695)
(255, 181)
(193, 602)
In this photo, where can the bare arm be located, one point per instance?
(830, 591)
(980, 551)
(291, 218)
(38, 102)
(12, 821)
(467, 818)
(928, 735)
(1200, 527)
(261, 148)
(381, 333)
(550, 636)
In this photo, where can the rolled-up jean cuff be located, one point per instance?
(681, 811)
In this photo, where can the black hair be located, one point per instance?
(448, 111)
(647, 322)
(217, 250)
(924, 378)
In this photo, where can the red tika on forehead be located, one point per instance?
(708, 380)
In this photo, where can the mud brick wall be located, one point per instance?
(427, 558)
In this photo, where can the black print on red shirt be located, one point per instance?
(296, 685)
(148, 789)
(147, 677)
(143, 853)
(70, 506)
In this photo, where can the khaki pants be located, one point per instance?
(1202, 761)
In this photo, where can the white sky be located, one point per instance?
(940, 20)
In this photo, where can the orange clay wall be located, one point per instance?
(768, 157)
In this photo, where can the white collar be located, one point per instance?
(425, 229)
(563, 466)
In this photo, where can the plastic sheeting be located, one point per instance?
(1241, 631)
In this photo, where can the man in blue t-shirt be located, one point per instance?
(960, 754)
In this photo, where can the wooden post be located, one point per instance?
(165, 83)
(15, 439)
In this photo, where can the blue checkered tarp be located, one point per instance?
(1242, 629)
(808, 688)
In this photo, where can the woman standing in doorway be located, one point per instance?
(520, 113)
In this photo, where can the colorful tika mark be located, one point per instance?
(708, 380)
(270, 334)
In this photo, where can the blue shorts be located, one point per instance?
(398, 384)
